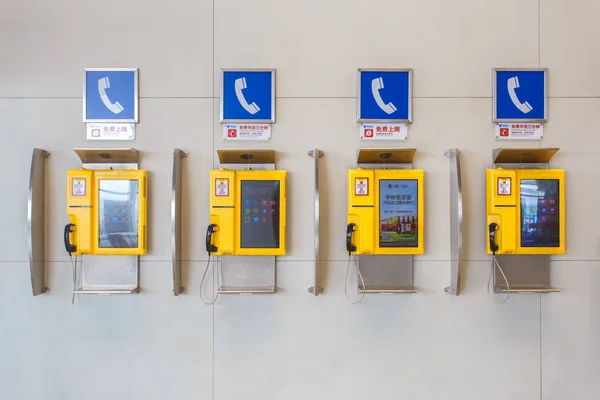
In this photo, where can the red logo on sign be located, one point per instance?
(504, 132)
(231, 132)
(95, 132)
(368, 132)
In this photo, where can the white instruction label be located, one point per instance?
(361, 187)
(504, 186)
(78, 187)
(221, 187)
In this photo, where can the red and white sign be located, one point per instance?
(247, 131)
(221, 187)
(383, 131)
(517, 130)
(504, 187)
(361, 186)
(110, 131)
(78, 187)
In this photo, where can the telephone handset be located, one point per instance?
(240, 84)
(349, 246)
(512, 84)
(493, 227)
(71, 248)
(103, 84)
(210, 248)
(376, 85)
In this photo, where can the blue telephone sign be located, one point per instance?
(248, 96)
(520, 95)
(384, 95)
(110, 95)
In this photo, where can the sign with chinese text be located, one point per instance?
(519, 131)
(98, 131)
(247, 131)
(383, 131)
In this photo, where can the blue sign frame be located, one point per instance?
(512, 102)
(97, 104)
(373, 109)
(234, 108)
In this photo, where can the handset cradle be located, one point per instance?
(71, 248)
(350, 248)
(210, 248)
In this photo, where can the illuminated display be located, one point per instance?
(540, 210)
(260, 213)
(118, 216)
(398, 213)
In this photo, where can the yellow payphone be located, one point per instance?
(385, 224)
(525, 211)
(247, 213)
(385, 212)
(107, 212)
(525, 219)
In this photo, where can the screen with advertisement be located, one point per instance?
(260, 214)
(540, 222)
(118, 214)
(398, 213)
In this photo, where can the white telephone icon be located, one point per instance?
(103, 84)
(512, 84)
(377, 84)
(240, 84)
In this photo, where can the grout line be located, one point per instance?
(281, 97)
(539, 33)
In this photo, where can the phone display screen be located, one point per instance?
(118, 214)
(398, 213)
(260, 214)
(540, 226)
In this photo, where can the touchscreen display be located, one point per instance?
(398, 213)
(260, 214)
(118, 214)
(540, 225)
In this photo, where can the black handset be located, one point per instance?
(71, 248)
(210, 248)
(349, 246)
(493, 246)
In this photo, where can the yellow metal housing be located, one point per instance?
(85, 201)
(228, 213)
(519, 229)
(389, 223)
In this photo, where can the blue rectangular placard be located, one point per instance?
(110, 95)
(384, 95)
(248, 96)
(520, 95)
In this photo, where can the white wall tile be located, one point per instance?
(570, 331)
(452, 46)
(49, 44)
(568, 47)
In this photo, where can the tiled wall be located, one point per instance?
(293, 345)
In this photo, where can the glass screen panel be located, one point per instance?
(118, 214)
(540, 226)
(260, 214)
(398, 213)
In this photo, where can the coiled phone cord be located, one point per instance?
(495, 264)
(202, 284)
(74, 264)
(346, 281)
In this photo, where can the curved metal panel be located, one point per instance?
(176, 222)
(316, 288)
(456, 222)
(36, 221)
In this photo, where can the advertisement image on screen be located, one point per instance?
(260, 214)
(540, 226)
(118, 213)
(398, 213)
